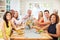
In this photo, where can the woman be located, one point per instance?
(53, 28)
(39, 21)
(40, 18)
(15, 18)
(7, 26)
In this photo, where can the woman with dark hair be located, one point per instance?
(7, 26)
(53, 27)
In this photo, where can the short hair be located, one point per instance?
(46, 11)
(57, 17)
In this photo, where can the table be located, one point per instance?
(31, 35)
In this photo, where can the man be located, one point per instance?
(46, 19)
(55, 11)
(12, 11)
(28, 18)
(46, 15)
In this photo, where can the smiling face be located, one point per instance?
(16, 14)
(29, 12)
(40, 14)
(46, 14)
(8, 16)
(53, 19)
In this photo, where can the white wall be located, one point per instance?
(15, 4)
(23, 5)
(51, 5)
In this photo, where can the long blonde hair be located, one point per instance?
(39, 15)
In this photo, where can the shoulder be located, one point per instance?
(42, 18)
(58, 25)
(10, 20)
(2, 23)
(13, 18)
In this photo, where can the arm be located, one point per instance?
(57, 31)
(40, 21)
(25, 17)
(45, 27)
(44, 23)
(13, 25)
(4, 32)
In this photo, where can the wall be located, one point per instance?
(49, 4)
(15, 4)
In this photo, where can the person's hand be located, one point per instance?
(6, 38)
(46, 31)
(36, 22)
(49, 34)
(34, 18)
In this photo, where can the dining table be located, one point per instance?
(30, 34)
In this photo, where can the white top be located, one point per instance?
(35, 12)
(45, 19)
(15, 21)
(26, 17)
